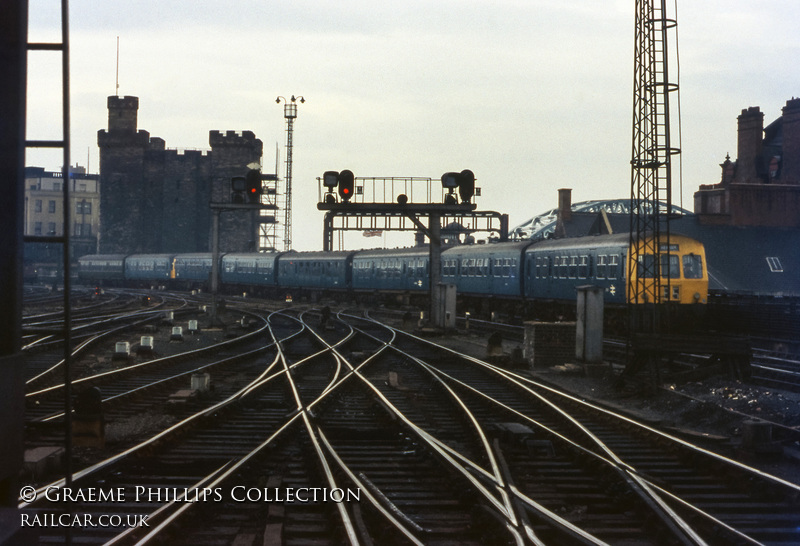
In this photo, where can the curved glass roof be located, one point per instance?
(543, 225)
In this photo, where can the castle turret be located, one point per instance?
(123, 217)
(122, 113)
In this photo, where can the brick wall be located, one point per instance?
(549, 343)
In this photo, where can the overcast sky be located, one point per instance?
(532, 95)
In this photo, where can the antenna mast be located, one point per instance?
(116, 89)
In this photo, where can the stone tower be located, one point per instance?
(122, 155)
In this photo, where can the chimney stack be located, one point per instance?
(751, 135)
(790, 155)
(565, 204)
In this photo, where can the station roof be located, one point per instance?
(584, 217)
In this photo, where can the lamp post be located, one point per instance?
(290, 113)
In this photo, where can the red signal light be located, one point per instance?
(346, 185)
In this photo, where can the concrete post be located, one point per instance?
(589, 325)
(447, 311)
(435, 228)
(214, 263)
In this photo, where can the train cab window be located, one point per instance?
(583, 267)
(670, 266)
(692, 266)
(645, 268)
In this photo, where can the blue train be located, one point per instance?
(520, 271)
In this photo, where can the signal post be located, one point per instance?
(246, 192)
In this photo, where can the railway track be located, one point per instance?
(425, 446)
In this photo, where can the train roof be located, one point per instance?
(150, 256)
(382, 252)
(107, 257)
(318, 255)
(490, 248)
(195, 255)
(240, 255)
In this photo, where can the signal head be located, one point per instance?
(450, 180)
(346, 185)
(466, 185)
(253, 188)
(330, 179)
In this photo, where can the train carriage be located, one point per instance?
(494, 269)
(250, 269)
(193, 270)
(102, 268)
(315, 270)
(149, 267)
(397, 270)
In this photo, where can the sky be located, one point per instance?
(531, 95)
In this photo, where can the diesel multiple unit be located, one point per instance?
(543, 270)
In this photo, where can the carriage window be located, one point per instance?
(613, 265)
(573, 267)
(601, 266)
(692, 266)
(583, 267)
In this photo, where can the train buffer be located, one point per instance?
(731, 354)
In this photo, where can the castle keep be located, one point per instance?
(156, 200)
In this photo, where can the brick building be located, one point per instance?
(762, 186)
(156, 200)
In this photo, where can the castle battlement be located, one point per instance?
(232, 138)
(129, 103)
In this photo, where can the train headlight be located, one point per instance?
(697, 296)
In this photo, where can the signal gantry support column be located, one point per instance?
(290, 113)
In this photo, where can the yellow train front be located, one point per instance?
(555, 267)
(681, 277)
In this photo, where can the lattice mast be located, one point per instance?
(651, 163)
(290, 113)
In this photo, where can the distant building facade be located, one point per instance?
(156, 200)
(762, 186)
(44, 211)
